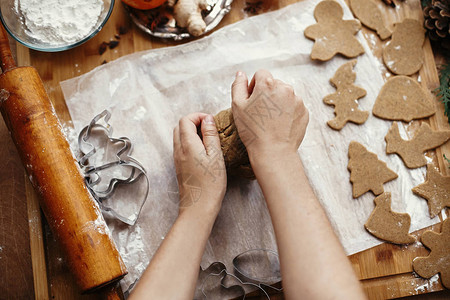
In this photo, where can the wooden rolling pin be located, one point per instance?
(73, 215)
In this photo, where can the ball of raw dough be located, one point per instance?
(234, 151)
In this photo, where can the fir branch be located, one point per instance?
(425, 3)
(443, 91)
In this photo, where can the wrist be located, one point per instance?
(199, 218)
(206, 207)
(272, 157)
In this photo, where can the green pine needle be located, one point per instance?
(425, 3)
(443, 91)
(448, 160)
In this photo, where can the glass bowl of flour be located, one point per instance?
(54, 25)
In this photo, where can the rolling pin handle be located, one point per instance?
(111, 292)
(6, 58)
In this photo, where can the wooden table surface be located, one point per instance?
(30, 257)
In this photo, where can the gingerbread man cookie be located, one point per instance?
(436, 190)
(370, 15)
(439, 259)
(404, 54)
(333, 35)
(367, 172)
(402, 99)
(411, 151)
(388, 225)
(345, 99)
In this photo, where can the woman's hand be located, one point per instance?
(270, 118)
(173, 270)
(271, 122)
(199, 164)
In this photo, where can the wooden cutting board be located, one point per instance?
(385, 271)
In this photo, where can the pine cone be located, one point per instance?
(437, 21)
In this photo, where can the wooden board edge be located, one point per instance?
(36, 243)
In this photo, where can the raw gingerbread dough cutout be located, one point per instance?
(436, 190)
(438, 261)
(411, 151)
(345, 99)
(404, 54)
(388, 225)
(367, 172)
(370, 15)
(402, 99)
(234, 152)
(333, 35)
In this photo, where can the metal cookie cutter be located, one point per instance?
(122, 160)
(242, 277)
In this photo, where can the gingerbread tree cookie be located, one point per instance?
(345, 99)
(439, 259)
(370, 15)
(401, 98)
(367, 172)
(404, 54)
(388, 225)
(333, 35)
(412, 151)
(436, 190)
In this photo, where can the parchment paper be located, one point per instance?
(148, 92)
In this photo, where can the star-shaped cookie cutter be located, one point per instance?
(123, 159)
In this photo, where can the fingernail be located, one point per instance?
(209, 119)
(238, 74)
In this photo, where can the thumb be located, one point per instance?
(210, 135)
(239, 89)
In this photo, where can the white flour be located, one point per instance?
(59, 21)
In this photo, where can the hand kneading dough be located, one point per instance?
(234, 151)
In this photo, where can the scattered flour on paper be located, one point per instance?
(130, 247)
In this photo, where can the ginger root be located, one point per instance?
(188, 14)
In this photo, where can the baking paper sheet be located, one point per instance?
(148, 92)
